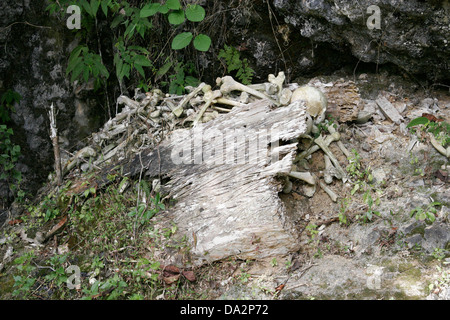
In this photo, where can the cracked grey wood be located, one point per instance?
(230, 206)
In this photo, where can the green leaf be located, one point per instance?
(77, 71)
(149, 10)
(176, 17)
(105, 5)
(163, 9)
(86, 5)
(142, 61)
(202, 42)
(94, 6)
(181, 40)
(195, 13)
(140, 70)
(173, 4)
(164, 69)
(418, 121)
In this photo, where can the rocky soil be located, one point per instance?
(388, 255)
(394, 256)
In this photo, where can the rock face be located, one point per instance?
(413, 35)
(33, 64)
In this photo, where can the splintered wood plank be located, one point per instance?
(223, 176)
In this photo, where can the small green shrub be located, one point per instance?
(234, 63)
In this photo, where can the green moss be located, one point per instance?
(6, 285)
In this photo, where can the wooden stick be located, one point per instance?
(54, 137)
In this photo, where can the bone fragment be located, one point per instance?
(330, 192)
(128, 102)
(285, 96)
(439, 147)
(228, 84)
(278, 80)
(268, 88)
(305, 176)
(322, 143)
(327, 141)
(341, 146)
(209, 97)
(191, 95)
(229, 102)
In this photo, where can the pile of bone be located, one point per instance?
(145, 120)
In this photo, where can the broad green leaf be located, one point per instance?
(142, 61)
(173, 4)
(163, 9)
(86, 72)
(117, 20)
(94, 7)
(163, 70)
(181, 40)
(202, 42)
(86, 5)
(105, 5)
(176, 17)
(195, 13)
(418, 121)
(77, 71)
(149, 10)
(130, 30)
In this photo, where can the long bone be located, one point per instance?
(330, 192)
(327, 141)
(330, 171)
(322, 143)
(341, 146)
(305, 176)
(209, 97)
(228, 84)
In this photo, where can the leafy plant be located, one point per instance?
(428, 214)
(9, 152)
(179, 80)
(362, 180)
(144, 213)
(343, 208)
(439, 129)
(86, 64)
(128, 22)
(234, 62)
(24, 280)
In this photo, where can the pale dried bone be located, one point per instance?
(330, 171)
(439, 147)
(305, 176)
(341, 146)
(228, 84)
(267, 87)
(176, 110)
(229, 102)
(327, 141)
(127, 101)
(330, 192)
(322, 143)
(191, 95)
(285, 96)
(316, 102)
(278, 80)
(209, 97)
(244, 98)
